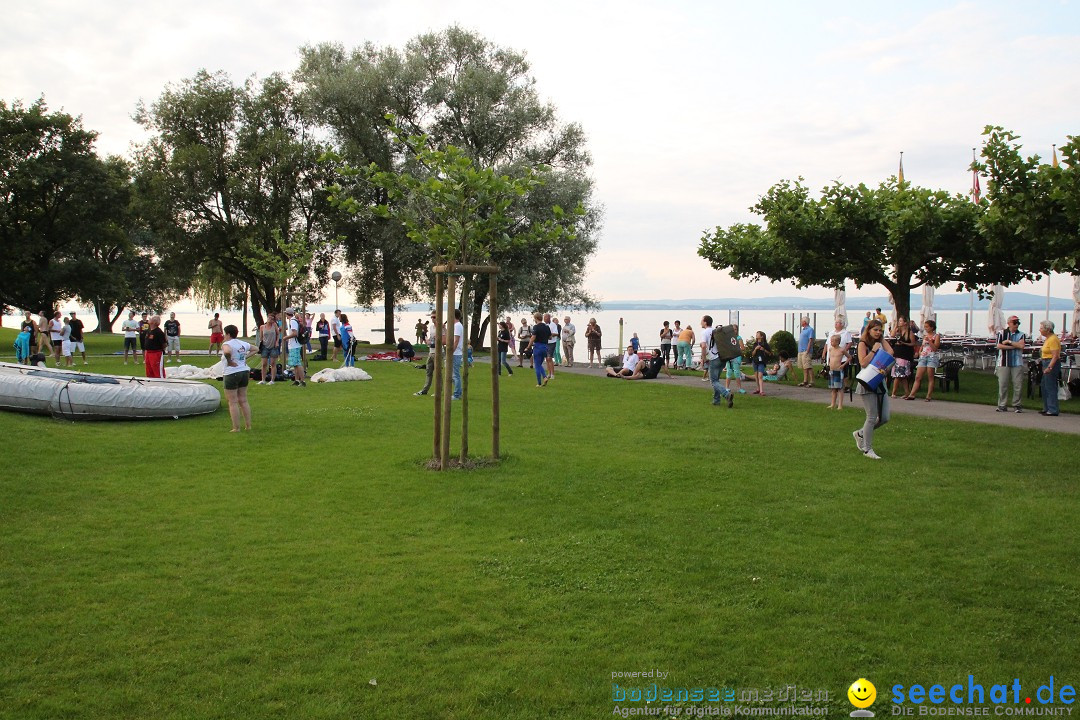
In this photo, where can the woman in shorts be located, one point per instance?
(760, 356)
(904, 346)
(929, 360)
(236, 376)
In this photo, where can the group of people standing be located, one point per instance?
(58, 335)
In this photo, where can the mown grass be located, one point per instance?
(172, 570)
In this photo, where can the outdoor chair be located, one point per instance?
(949, 373)
(1034, 378)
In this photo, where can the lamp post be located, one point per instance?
(336, 277)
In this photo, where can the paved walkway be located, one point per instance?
(968, 412)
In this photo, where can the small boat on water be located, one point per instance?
(78, 395)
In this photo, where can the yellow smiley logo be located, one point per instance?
(862, 693)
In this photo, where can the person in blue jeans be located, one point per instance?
(505, 340)
(459, 332)
(1050, 355)
(715, 364)
(538, 341)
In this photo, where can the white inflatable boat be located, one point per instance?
(78, 395)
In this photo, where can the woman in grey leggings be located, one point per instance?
(875, 402)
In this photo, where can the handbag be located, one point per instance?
(1063, 391)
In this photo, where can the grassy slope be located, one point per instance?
(172, 570)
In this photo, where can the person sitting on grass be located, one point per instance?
(405, 349)
(650, 368)
(780, 370)
(629, 364)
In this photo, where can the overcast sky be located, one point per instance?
(692, 109)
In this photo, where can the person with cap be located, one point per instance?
(77, 338)
(1010, 364)
(295, 360)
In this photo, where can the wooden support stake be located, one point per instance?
(434, 355)
(496, 367)
(464, 369)
(448, 373)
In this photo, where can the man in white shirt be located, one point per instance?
(554, 327)
(295, 359)
(459, 348)
(131, 333)
(568, 334)
(843, 332)
(335, 333)
(56, 330)
(710, 359)
(629, 364)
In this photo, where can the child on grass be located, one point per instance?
(837, 359)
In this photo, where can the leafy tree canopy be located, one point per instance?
(1033, 208)
(895, 235)
(58, 200)
(458, 90)
(231, 174)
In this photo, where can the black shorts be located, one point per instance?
(57, 343)
(522, 344)
(237, 380)
(337, 341)
(129, 344)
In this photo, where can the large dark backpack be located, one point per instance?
(303, 334)
(725, 340)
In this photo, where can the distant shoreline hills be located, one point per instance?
(1014, 301)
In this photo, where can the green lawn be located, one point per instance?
(172, 570)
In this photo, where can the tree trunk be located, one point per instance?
(389, 302)
(256, 307)
(479, 320)
(102, 310)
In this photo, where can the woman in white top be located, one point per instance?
(236, 376)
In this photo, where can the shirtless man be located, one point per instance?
(217, 334)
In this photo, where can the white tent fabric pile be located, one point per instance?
(927, 312)
(1076, 307)
(995, 321)
(190, 372)
(343, 374)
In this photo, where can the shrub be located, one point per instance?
(783, 343)
(613, 361)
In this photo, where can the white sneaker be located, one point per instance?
(261, 382)
(872, 455)
(858, 439)
(270, 383)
